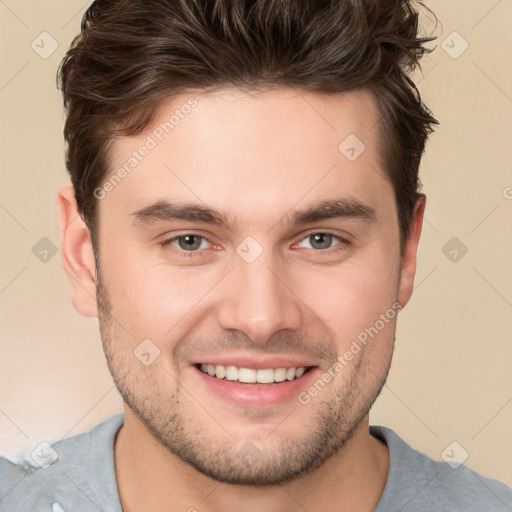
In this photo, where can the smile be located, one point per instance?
(252, 376)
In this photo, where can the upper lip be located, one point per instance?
(260, 363)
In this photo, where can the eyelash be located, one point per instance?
(341, 246)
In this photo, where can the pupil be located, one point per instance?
(189, 242)
(323, 239)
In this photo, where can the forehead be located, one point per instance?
(246, 149)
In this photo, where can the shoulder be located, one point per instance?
(59, 472)
(417, 482)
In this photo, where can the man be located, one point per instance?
(243, 220)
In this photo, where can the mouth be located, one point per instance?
(245, 381)
(264, 376)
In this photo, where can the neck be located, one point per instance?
(149, 477)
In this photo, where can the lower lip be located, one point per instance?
(258, 395)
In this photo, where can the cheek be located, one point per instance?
(160, 302)
(352, 298)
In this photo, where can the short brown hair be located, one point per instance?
(131, 55)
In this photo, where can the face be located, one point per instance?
(246, 236)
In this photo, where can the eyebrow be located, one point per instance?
(163, 210)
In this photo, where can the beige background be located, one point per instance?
(451, 375)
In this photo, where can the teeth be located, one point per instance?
(265, 376)
(220, 371)
(231, 373)
(249, 375)
(246, 375)
(280, 374)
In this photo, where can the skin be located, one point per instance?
(259, 157)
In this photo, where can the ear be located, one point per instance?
(77, 254)
(408, 264)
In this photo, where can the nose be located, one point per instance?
(258, 300)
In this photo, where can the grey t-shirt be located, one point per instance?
(77, 475)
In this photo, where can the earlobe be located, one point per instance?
(408, 265)
(77, 253)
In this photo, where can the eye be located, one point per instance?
(323, 240)
(188, 242)
(191, 244)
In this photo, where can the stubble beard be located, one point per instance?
(168, 417)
